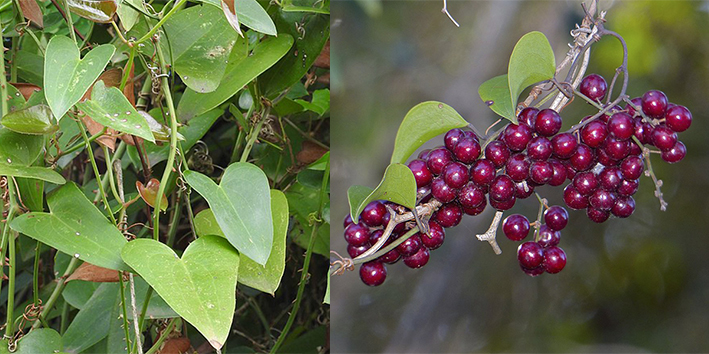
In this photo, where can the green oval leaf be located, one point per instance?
(93, 321)
(67, 77)
(532, 61)
(111, 108)
(35, 120)
(40, 340)
(200, 286)
(76, 227)
(242, 206)
(34, 172)
(356, 195)
(265, 278)
(496, 95)
(239, 72)
(19, 149)
(398, 185)
(100, 11)
(423, 122)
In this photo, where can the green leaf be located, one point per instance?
(193, 130)
(532, 61)
(30, 67)
(100, 11)
(304, 202)
(32, 192)
(76, 227)
(68, 77)
(251, 15)
(40, 340)
(35, 172)
(319, 165)
(201, 41)
(423, 122)
(111, 108)
(19, 149)
(200, 286)
(35, 120)
(240, 71)
(265, 278)
(242, 207)
(312, 34)
(398, 185)
(356, 195)
(496, 95)
(327, 292)
(320, 102)
(92, 322)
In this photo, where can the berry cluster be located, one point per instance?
(602, 159)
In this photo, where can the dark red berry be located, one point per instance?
(373, 213)
(530, 255)
(409, 246)
(498, 153)
(639, 126)
(482, 172)
(527, 116)
(355, 251)
(559, 176)
(373, 273)
(357, 234)
(449, 215)
(518, 167)
(503, 205)
(452, 137)
(348, 221)
(467, 150)
(632, 167)
(533, 272)
(517, 136)
(455, 174)
(547, 122)
(610, 178)
(541, 172)
(623, 207)
(438, 158)
(502, 188)
(523, 190)
(421, 173)
(663, 137)
(574, 199)
(594, 133)
(475, 210)
(539, 148)
(602, 199)
(616, 149)
(604, 159)
(597, 215)
(678, 118)
(583, 158)
(554, 260)
(516, 227)
(423, 155)
(556, 217)
(638, 102)
(654, 104)
(628, 187)
(442, 191)
(471, 196)
(563, 145)
(436, 237)
(419, 259)
(675, 154)
(621, 126)
(593, 86)
(585, 183)
(548, 237)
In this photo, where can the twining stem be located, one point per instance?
(109, 172)
(96, 173)
(304, 275)
(253, 135)
(57, 290)
(116, 156)
(81, 144)
(160, 23)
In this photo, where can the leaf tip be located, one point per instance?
(216, 344)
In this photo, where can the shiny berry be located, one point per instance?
(373, 273)
(540, 172)
(533, 272)
(503, 205)
(421, 173)
(621, 126)
(556, 217)
(348, 221)
(467, 150)
(418, 259)
(517, 136)
(452, 137)
(597, 215)
(663, 137)
(423, 155)
(475, 210)
(554, 260)
(355, 251)
(517, 167)
(593, 86)
(530, 255)
(357, 234)
(455, 174)
(583, 158)
(471, 196)
(527, 116)
(442, 191)
(604, 159)
(638, 102)
(559, 176)
(574, 199)
(498, 153)
(502, 188)
(623, 207)
(654, 104)
(632, 167)
(616, 149)
(373, 213)
(548, 237)
(523, 190)
(410, 246)
(449, 215)
(539, 148)
(678, 118)
(438, 158)
(436, 237)
(516, 227)
(610, 178)
(675, 154)
(482, 172)
(547, 122)
(602, 199)
(585, 183)
(594, 133)
(563, 145)
(628, 187)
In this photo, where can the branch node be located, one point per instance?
(491, 233)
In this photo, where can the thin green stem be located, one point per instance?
(69, 21)
(95, 168)
(3, 76)
(175, 219)
(173, 141)
(82, 144)
(160, 23)
(9, 330)
(63, 324)
(306, 264)
(35, 274)
(129, 65)
(253, 135)
(57, 290)
(163, 336)
(116, 156)
(109, 172)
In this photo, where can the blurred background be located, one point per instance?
(630, 285)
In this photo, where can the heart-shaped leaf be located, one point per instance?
(34, 172)
(398, 185)
(111, 108)
(19, 149)
(265, 278)
(200, 49)
(241, 70)
(242, 206)
(40, 340)
(423, 122)
(76, 227)
(100, 11)
(532, 61)
(67, 77)
(496, 95)
(200, 286)
(149, 192)
(35, 120)
(356, 195)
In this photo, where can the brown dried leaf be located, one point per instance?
(111, 78)
(230, 14)
(323, 60)
(32, 12)
(175, 346)
(26, 89)
(310, 153)
(94, 273)
(108, 139)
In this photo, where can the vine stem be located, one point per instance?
(163, 336)
(160, 23)
(10, 235)
(253, 135)
(57, 290)
(306, 263)
(69, 21)
(95, 167)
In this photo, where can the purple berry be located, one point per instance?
(373, 213)
(564, 145)
(452, 137)
(539, 148)
(675, 154)
(547, 122)
(517, 136)
(438, 158)
(471, 196)
(654, 104)
(518, 167)
(482, 172)
(410, 246)
(554, 260)
(437, 236)
(574, 199)
(421, 173)
(594, 133)
(610, 178)
(663, 137)
(623, 207)
(556, 217)
(498, 153)
(597, 215)
(541, 172)
(455, 174)
(621, 126)
(373, 273)
(548, 237)
(357, 234)
(516, 227)
(593, 86)
(502, 188)
(632, 167)
(678, 118)
(418, 259)
(527, 116)
(583, 158)
(530, 255)
(467, 150)
(442, 191)
(449, 215)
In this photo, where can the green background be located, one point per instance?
(631, 285)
